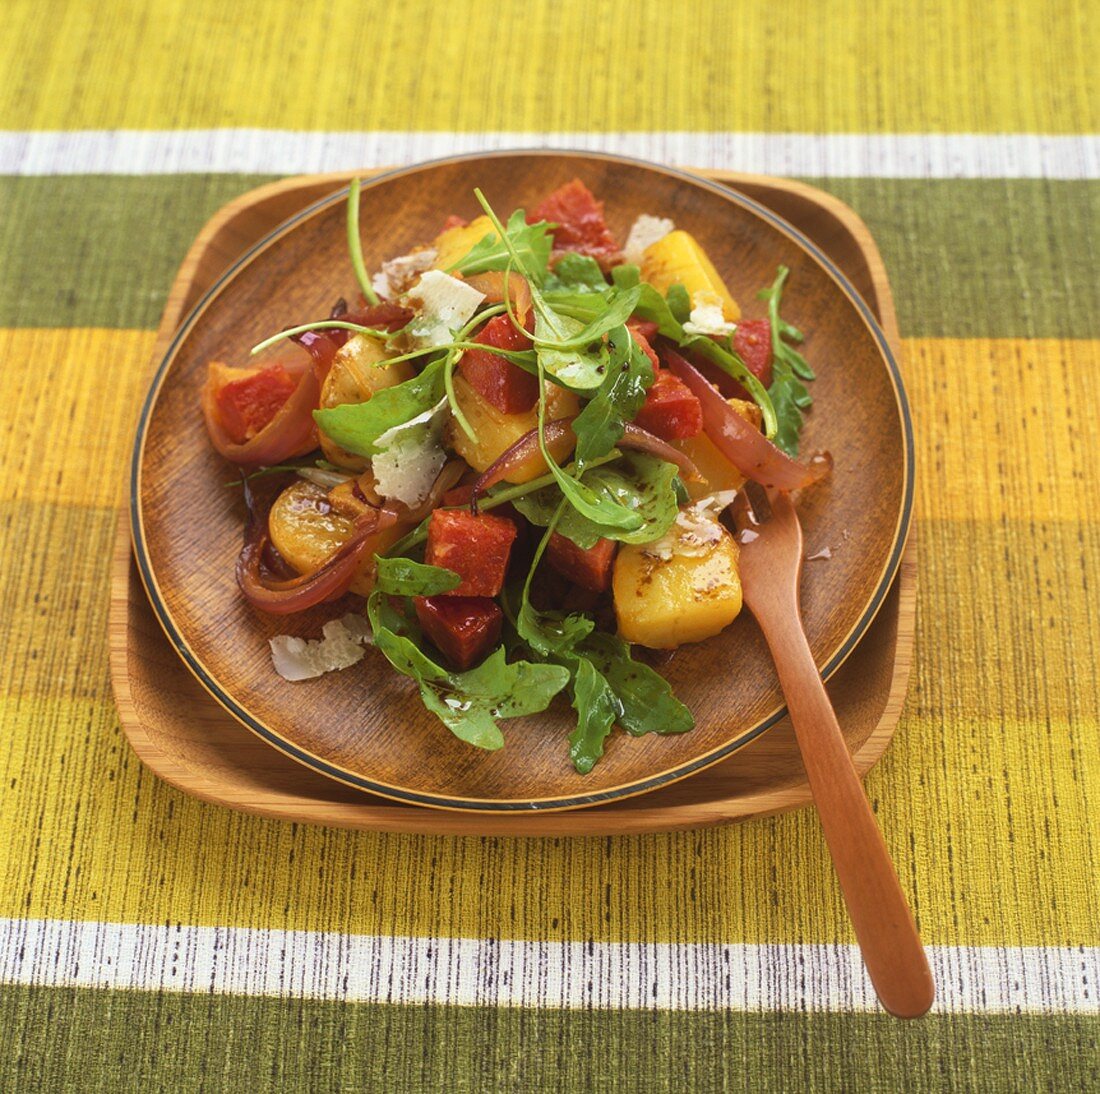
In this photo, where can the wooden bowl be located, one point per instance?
(366, 726)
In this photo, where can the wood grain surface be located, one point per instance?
(834, 228)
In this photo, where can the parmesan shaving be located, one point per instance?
(341, 645)
(644, 232)
(696, 529)
(444, 304)
(399, 274)
(707, 317)
(411, 457)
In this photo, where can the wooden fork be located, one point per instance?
(771, 565)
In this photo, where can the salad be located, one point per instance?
(518, 445)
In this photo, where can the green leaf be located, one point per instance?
(597, 710)
(640, 483)
(732, 365)
(355, 245)
(651, 304)
(529, 252)
(577, 369)
(357, 426)
(618, 308)
(597, 509)
(599, 426)
(404, 577)
(789, 369)
(679, 303)
(646, 699)
(468, 703)
(576, 272)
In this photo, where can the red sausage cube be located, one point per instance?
(590, 569)
(643, 341)
(581, 225)
(463, 628)
(475, 547)
(753, 342)
(496, 379)
(670, 411)
(246, 405)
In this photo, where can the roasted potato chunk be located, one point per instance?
(678, 257)
(356, 374)
(685, 588)
(306, 530)
(453, 244)
(719, 474)
(497, 431)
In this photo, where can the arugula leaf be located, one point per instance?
(789, 369)
(355, 245)
(679, 303)
(618, 308)
(638, 482)
(597, 710)
(468, 703)
(404, 577)
(596, 508)
(731, 363)
(599, 426)
(577, 369)
(647, 704)
(651, 304)
(608, 686)
(530, 249)
(576, 272)
(357, 426)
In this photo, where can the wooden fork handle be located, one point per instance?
(888, 938)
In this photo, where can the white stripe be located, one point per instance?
(909, 155)
(487, 972)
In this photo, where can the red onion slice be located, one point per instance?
(292, 432)
(283, 596)
(740, 442)
(560, 441)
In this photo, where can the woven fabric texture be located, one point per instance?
(988, 796)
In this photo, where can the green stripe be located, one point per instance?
(100, 251)
(64, 1039)
(994, 258)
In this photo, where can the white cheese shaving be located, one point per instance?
(706, 315)
(696, 529)
(399, 274)
(644, 232)
(341, 645)
(411, 457)
(444, 304)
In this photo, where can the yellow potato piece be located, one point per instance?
(718, 472)
(306, 530)
(692, 595)
(678, 257)
(454, 244)
(355, 376)
(497, 432)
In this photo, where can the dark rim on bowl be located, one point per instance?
(441, 801)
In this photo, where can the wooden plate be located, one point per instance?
(365, 726)
(187, 739)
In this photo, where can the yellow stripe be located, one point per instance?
(1005, 427)
(1002, 425)
(988, 794)
(893, 66)
(88, 834)
(71, 400)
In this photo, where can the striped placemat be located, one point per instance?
(148, 941)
